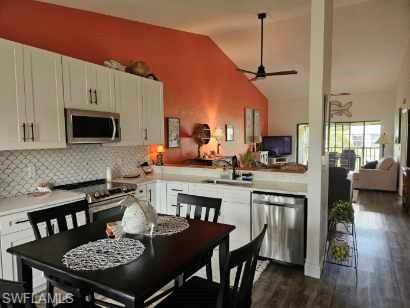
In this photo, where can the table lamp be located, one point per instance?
(383, 140)
(160, 155)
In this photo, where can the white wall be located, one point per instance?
(285, 115)
(403, 96)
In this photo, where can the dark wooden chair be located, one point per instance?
(198, 204)
(59, 214)
(195, 205)
(14, 294)
(201, 293)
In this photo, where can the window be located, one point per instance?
(302, 145)
(360, 137)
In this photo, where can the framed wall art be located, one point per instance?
(173, 128)
(229, 133)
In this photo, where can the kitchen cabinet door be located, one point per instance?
(87, 86)
(239, 215)
(9, 263)
(77, 93)
(156, 195)
(173, 189)
(128, 104)
(104, 88)
(153, 111)
(13, 113)
(44, 99)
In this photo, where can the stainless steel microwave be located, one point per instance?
(85, 126)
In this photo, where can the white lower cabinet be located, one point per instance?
(172, 191)
(156, 195)
(9, 264)
(237, 214)
(235, 210)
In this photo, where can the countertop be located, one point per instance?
(262, 169)
(267, 186)
(28, 202)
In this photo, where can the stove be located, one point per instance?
(100, 190)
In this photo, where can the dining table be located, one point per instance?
(164, 259)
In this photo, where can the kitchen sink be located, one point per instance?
(228, 182)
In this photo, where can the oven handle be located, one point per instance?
(114, 132)
(96, 209)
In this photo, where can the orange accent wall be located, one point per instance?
(201, 83)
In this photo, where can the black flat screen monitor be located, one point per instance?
(277, 145)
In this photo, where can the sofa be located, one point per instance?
(383, 177)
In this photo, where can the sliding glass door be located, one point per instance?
(359, 137)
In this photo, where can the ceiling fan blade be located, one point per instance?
(340, 94)
(246, 71)
(292, 72)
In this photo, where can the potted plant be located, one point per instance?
(341, 212)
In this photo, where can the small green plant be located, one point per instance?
(341, 211)
(339, 250)
(247, 158)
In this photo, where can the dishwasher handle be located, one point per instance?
(278, 204)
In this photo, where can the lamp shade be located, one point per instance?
(383, 139)
(219, 134)
(160, 149)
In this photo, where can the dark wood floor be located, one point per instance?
(383, 230)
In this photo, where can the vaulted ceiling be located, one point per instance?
(370, 36)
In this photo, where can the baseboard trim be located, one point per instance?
(313, 270)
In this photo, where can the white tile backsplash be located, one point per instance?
(20, 171)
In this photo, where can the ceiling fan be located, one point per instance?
(261, 72)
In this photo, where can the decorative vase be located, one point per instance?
(139, 216)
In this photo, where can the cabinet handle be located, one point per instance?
(96, 97)
(32, 131)
(177, 205)
(150, 196)
(21, 221)
(174, 189)
(146, 134)
(24, 132)
(90, 96)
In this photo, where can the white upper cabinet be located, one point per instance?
(44, 98)
(32, 110)
(87, 86)
(129, 105)
(153, 111)
(13, 112)
(140, 104)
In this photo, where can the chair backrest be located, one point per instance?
(59, 214)
(244, 259)
(199, 203)
(13, 294)
(348, 159)
(333, 158)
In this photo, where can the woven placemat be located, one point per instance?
(103, 254)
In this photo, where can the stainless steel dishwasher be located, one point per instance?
(285, 215)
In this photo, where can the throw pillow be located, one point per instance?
(386, 163)
(371, 165)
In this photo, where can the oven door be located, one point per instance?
(85, 126)
(107, 210)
